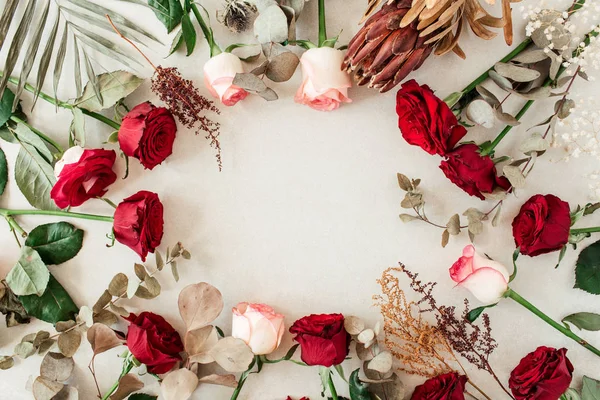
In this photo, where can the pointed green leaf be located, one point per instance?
(358, 390)
(6, 106)
(56, 243)
(78, 126)
(3, 172)
(45, 60)
(53, 306)
(591, 389)
(30, 275)
(189, 33)
(113, 86)
(7, 16)
(92, 78)
(172, 14)
(30, 55)
(104, 46)
(77, 66)
(60, 59)
(584, 320)
(587, 270)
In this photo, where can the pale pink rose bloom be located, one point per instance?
(259, 326)
(486, 279)
(324, 84)
(219, 72)
(73, 155)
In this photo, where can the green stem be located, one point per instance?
(565, 331)
(322, 23)
(38, 132)
(126, 368)
(209, 35)
(65, 105)
(15, 226)
(331, 386)
(585, 230)
(68, 214)
(243, 378)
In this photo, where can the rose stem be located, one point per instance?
(243, 378)
(127, 366)
(565, 331)
(8, 213)
(37, 132)
(486, 150)
(585, 230)
(330, 384)
(63, 104)
(322, 24)
(209, 35)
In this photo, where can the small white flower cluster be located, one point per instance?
(579, 135)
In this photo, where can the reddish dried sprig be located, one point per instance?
(186, 103)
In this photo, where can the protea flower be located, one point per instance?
(398, 38)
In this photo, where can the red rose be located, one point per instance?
(472, 172)
(82, 175)
(154, 342)
(323, 339)
(449, 386)
(425, 120)
(139, 222)
(544, 374)
(147, 133)
(542, 225)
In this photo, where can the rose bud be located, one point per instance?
(139, 222)
(544, 374)
(82, 175)
(259, 326)
(450, 386)
(323, 339)
(219, 73)
(153, 342)
(542, 225)
(472, 172)
(486, 279)
(147, 133)
(324, 84)
(425, 120)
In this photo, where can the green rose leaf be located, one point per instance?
(53, 306)
(169, 12)
(358, 390)
(591, 389)
(113, 86)
(587, 271)
(6, 104)
(3, 172)
(56, 243)
(584, 320)
(30, 275)
(142, 396)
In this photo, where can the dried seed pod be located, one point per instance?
(238, 15)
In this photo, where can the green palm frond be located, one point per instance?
(74, 17)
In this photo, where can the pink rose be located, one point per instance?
(324, 84)
(259, 326)
(486, 279)
(219, 73)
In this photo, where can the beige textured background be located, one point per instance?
(304, 216)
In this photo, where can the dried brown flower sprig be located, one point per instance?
(428, 349)
(183, 99)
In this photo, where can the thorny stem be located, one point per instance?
(65, 105)
(38, 133)
(562, 329)
(8, 213)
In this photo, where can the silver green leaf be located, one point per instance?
(45, 60)
(113, 86)
(29, 275)
(271, 25)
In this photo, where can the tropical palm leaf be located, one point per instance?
(41, 23)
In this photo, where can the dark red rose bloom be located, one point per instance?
(425, 120)
(147, 133)
(544, 374)
(542, 225)
(82, 175)
(449, 386)
(472, 172)
(154, 342)
(139, 222)
(323, 339)
(304, 398)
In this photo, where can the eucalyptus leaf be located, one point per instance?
(271, 25)
(515, 176)
(516, 73)
(56, 243)
(172, 14)
(531, 56)
(501, 81)
(113, 86)
(538, 93)
(282, 67)
(481, 113)
(53, 306)
(587, 270)
(249, 82)
(30, 275)
(584, 320)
